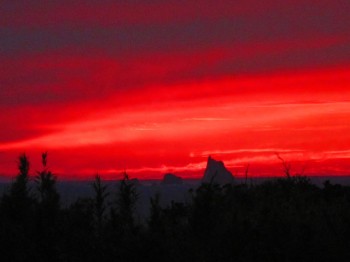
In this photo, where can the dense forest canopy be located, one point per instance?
(285, 219)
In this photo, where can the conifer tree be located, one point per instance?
(19, 202)
(99, 200)
(46, 186)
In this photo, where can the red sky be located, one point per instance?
(157, 86)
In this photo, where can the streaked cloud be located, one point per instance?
(250, 150)
(167, 82)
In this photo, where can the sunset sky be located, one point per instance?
(157, 86)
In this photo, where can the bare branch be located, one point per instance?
(286, 166)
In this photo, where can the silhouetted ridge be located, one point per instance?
(171, 179)
(216, 172)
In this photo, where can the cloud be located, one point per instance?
(180, 111)
(252, 75)
(251, 150)
(106, 12)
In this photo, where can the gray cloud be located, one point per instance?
(293, 24)
(302, 20)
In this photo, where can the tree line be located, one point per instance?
(285, 219)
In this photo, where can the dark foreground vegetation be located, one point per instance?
(281, 220)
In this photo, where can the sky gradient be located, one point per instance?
(156, 86)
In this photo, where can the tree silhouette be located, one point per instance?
(19, 202)
(155, 219)
(46, 185)
(17, 217)
(126, 201)
(19, 189)
(99, 201)
(286, 166)
(284, 219)
(47, 211)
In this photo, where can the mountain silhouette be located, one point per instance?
(171, 179)
(216, 172)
